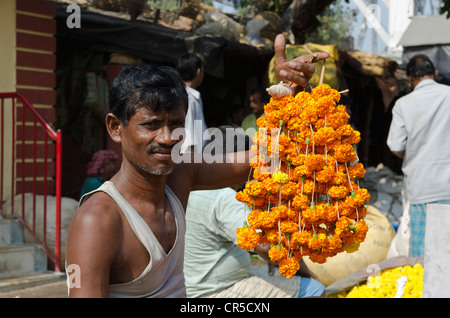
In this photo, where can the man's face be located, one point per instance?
(256, 104)
(147, 140)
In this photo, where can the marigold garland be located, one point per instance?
(304, 196)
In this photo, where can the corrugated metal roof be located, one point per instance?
(427, 30)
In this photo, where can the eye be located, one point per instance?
(154, 124)
(177, 123)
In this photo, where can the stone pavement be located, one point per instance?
(51, 285)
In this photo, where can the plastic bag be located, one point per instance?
(253, 27)
(220, 24)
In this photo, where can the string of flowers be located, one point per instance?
(304, 197)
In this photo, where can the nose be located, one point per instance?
(165, 136)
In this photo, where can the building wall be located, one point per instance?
(35, 77)
(7, 82)
(28, 61)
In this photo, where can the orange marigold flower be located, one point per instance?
(295, 239)
(325, 90)
(339, 178)
(295, 124)
(255, 188)
(299, 172)
(342, 225)
(314, 162)
(254, 219)
(298, 159)
(362, 195)
(314, 243)
(267, 220)
(338, 118)
(305, 236)
(300, 202)
(272, 234)
(247, 237)
(326, 174)
(358, 198)
(308, 186)
(243, 197)
(293, 215)
(325, 135)
(331, 213)
(288, 268)
(288, 189)
(354, 138)
(361, 231)
(277, 252)
(261, 173)
(259, 218)
(311, 215)
(334, 243)
(345, 153)
(279, 212)
(261, 122)
(345, 130)
(317, 257)
(288, 227)
(357, 171)
(338, 192)
(271, 186)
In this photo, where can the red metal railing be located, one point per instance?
(27, 128)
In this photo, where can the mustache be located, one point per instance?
(159, 148)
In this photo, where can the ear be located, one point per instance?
(114, 127)
(198, 72)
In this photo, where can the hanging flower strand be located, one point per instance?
(304, 196)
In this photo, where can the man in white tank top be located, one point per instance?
(127, 237)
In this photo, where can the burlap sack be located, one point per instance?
(372, 251)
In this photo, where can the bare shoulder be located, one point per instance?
(97, 224)
(99, 211)
(93, 244)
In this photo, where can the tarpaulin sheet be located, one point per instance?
(144, 40)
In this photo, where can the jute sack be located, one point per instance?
(372, 251)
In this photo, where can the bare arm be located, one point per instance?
(92, 242)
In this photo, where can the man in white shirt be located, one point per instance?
(419, 134)
(190, 68)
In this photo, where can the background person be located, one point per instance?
(418, 134)
(257, 99)
(100, 169)
(190, 68)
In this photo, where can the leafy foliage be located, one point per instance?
(334, 24)
(445, 8)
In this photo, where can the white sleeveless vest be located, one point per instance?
(163, 276)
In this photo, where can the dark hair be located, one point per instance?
(419, 66)
(187, 66)
(155, 88)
